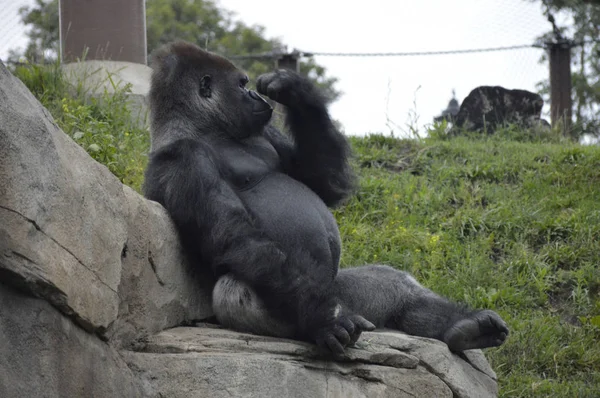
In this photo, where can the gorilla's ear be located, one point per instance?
(205, 90)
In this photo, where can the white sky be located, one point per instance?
(377, 88)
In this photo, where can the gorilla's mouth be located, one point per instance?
(262, 112)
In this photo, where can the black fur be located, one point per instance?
(251, 203)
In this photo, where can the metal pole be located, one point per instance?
(111, 30)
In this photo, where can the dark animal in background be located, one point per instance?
(252, 204)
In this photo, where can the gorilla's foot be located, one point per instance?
(479, 330)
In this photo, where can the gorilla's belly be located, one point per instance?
(295, 217)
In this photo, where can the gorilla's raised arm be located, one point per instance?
(319, 154)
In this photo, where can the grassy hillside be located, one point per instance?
(512, 226)
(510, 222)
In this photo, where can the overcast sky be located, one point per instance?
(378, 89)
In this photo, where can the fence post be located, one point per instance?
(288, 61)
(108, 30)
(560, 83)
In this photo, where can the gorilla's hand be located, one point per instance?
(340, 332)
(479, 330)
(286, 87)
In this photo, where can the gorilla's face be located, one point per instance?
(245, 111)
(225, 100)
(207, 90)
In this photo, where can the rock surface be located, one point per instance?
(486, 108)
(94, 291)
(45, 355)
(201, 361)
(72, 234)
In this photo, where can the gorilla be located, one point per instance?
(253, 204)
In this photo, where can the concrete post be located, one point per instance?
(110, 30)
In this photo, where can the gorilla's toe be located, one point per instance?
(480, 330)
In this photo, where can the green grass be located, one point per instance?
(497, 223)
(509, 222)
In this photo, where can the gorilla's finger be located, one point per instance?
(352, 330)
(490, 323)
(499, 323)
(342, 335)
(263, 82)
(333, 344)
(362, 323)
(264, 78)
(274, 89)
(501, 338)
(348, 325)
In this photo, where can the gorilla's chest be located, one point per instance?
(246, 165)
(285, 209)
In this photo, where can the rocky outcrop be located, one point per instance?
(487, 108)
(203, 361)
(45, 355)
(73, 235)
(95, 297)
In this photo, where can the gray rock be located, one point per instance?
(210, 362)
(158, 289)
(45, 355)
(72, 234)
(62, 214)
(383, 363)
(467, 375)
(486, 108)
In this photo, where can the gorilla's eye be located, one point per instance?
(243, 81)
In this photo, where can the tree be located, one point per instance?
(585, 75)
(43, 35)
(199, 21)
(204, 23)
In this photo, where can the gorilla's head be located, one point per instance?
(204, 92)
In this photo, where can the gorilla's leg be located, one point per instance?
(384, 296)
(392, 298)
(238, 307)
